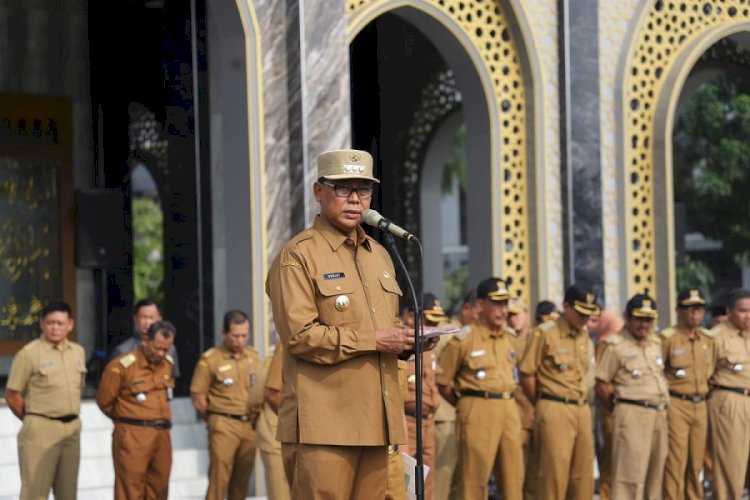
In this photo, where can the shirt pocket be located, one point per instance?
(338, 303)
(391, 293)
(562, 361)
(141, 386)
(634, 368)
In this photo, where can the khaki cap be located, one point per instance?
(515, 306)
(346, 164)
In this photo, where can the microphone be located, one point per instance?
(374, 219)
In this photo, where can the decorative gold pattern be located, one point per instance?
(668, 27)
(486, 24)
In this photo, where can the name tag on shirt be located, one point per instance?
(678, 352)
(333, 276)
(225, 368)
(477, 353)
(46, 363)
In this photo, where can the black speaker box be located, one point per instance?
(100, 228)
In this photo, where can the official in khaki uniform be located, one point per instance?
(518, 320)
(335, 305)
(477, 374)
(553, 375)
(433, 315)
(729, 402)
(134, 392)
(688, 353)
(396, 484)
(270, 447)
(221, 393)
(44, 391)
(631, 376)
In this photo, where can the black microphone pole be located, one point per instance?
(419, 330)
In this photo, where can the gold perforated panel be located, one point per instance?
(486, 24)
(666, 30)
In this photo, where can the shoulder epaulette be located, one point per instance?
(30, 345)
(511, 331)
(615, 339)
(304, 235)
(170, 359)
(667, 332)
(708, 333)
(127, 360)
(463, 333)
(208, 353)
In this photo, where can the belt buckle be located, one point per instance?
(696, 398)
(661, 406)
(244, 418)
(581, 402)
(506, 395)
(392, 449)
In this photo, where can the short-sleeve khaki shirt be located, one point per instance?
(50, 379)
(732, 356)
(479, 358)
(131, 387)
(688, 359)
(636, 372)
(559, 357)
(430, 394)
(228, 382)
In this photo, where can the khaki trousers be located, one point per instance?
(143, 460)
(231, 448)
(428, 450)
(605, 464)
(563, 450)
(729, 414)
(489, 439)
(333, 472)
(688, 428)
(396, 489)
(446, 460)
(640, 440)
(48, 456)
(276, 484)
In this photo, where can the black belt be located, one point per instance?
(241, 418)
(643, 404)
(695, 398)
(64, 419)
(738, 390)
(158, 424)
(425, 415)
(487, 394)
(569, 401)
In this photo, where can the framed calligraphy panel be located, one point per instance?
(36, 221)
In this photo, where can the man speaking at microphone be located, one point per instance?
(335, 304)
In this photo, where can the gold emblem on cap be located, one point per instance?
(646, 306)
(342, 303)
(354, 158)
(590, 298)
(694, 294)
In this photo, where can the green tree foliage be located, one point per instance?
(712, 167)
(455, 166)
(148, 249)
(694, 274)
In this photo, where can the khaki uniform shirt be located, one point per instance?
(688, 359)
(731, 357)
(329, 296)
(559, 357)
(480, 358)
(50, 379)
(133, 388)
(524, 405)
(635, 371)
(269, 375)
(430, 394)
(446, 412)
(229, 383)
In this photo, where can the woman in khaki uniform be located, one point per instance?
(225, 393)
(630, 376)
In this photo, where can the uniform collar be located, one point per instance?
(336, 238)
(50, 345)
(729, 327)
(566, 330)
(227, 354)
(142, 361)
(651, 339)
(689, 334)
(490, 331)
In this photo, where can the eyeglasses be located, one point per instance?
(345, 191)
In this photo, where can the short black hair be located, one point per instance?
(145, 303)
(234, 317)
(736, 295)
(164, 327)
(56, 306)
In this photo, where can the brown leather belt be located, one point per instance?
(241, 418)
(487, 394)
(157, 424)
(643, 404)
(738, 390)
(64, 419)
(567, 401)
(695, 398)
(428, 415)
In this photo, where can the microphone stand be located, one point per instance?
(419, 330)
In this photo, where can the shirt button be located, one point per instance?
(385, 393)
(373, 309)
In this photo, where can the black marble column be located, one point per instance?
(580, 142)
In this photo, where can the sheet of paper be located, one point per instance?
(436, 332)
(409, 478)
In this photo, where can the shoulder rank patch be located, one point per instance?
(707, 332)
(170, 359)
(615, 339)
(208, 353)
(115, 369)
(547, 326)
(291, 263)
(511, 331)
(202, 363)
(127, 360)
(667, 332)
(463, 333)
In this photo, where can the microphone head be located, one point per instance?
(371, 217)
